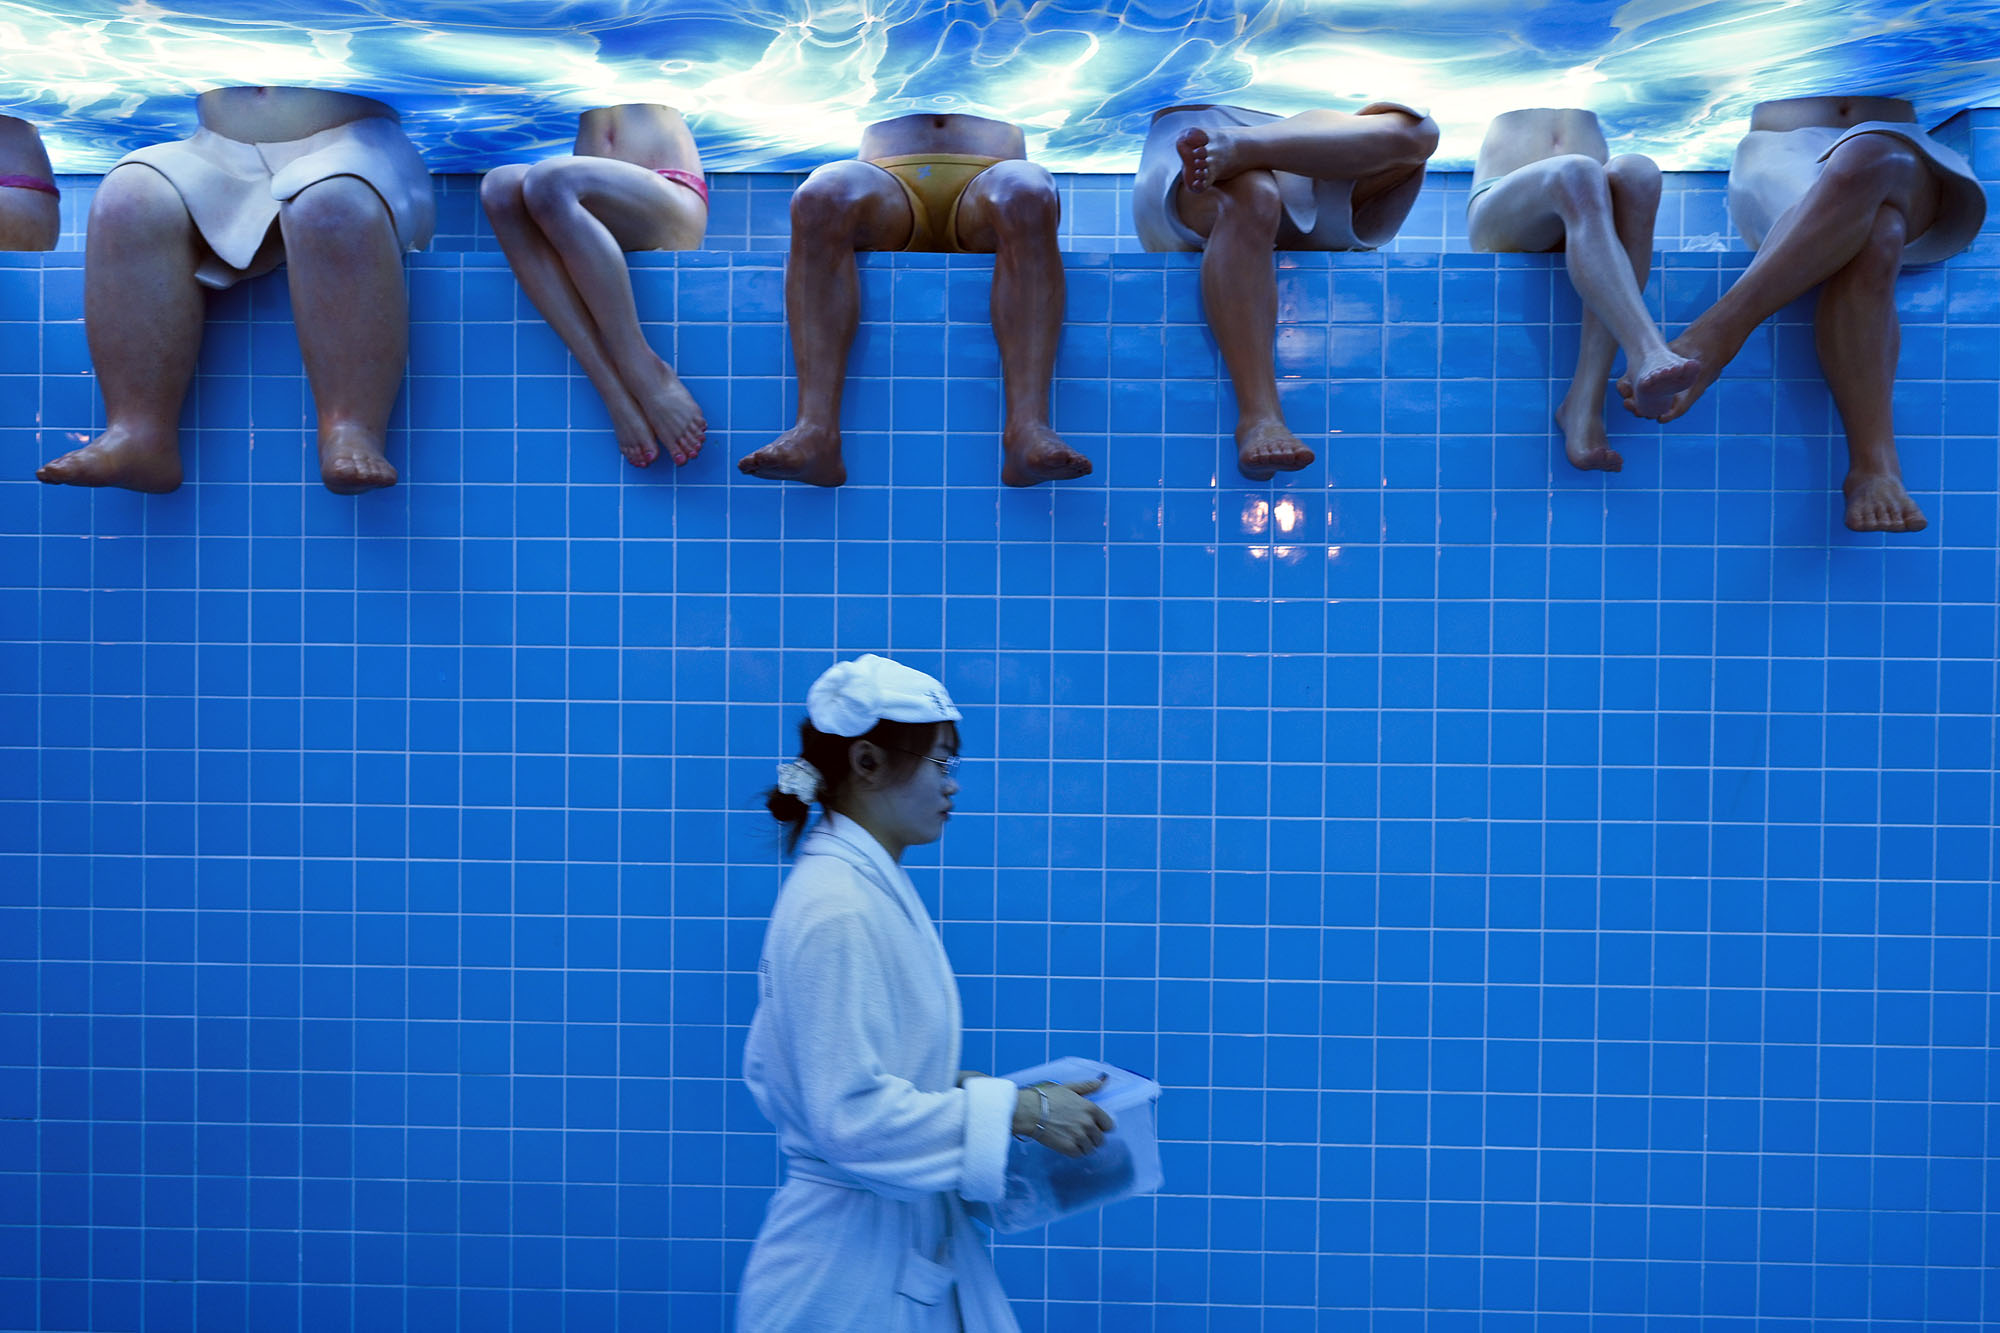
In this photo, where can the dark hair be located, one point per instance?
(906, 742)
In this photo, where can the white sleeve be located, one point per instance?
(834, 1020)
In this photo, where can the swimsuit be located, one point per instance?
(1774, 169)
(1480, 187)
(934, 183)
(29, 183)
(692, 179)
(1318, 214)
(232, 189)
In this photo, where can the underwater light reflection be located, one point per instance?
(1256, 516)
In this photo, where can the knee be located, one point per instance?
(1025, 203)
(1250, 199)
(1635, 178)
(500, 190)
(546, 193)
(1871, 164)
(1420, 140)
(136, 200)
(1881, 255)
(1578, 186)
(333, 212)
(827, 206)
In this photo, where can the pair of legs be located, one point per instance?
(1845, 236)
(1229, 196)
(143, 312)
(565, 224)
(1600, 214)
(1009, 211)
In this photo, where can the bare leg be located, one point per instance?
(1329, 145)
(1859, 337)
(1228, 195)
(1011, 209)
(542, 276)
(588, 212)
(841, 208)
(143, 313)
(1567, 201)
(1816, 238)
(1634, 185)
(354, 324)
(543, 265)
(1239, 294)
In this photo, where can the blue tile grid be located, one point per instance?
(1552, 901)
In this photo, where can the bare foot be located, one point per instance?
(807, 452)
(121, 456)
(1264, 448)
(1708, 363)
(1200, 154)
(1877, 502)
(351, 461)
(1036, 454)
(1659, 381)
(1584, 441)
(672, 414)
(629, 428)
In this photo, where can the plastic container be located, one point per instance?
(1044, 1186)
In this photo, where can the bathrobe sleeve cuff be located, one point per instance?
(989, 1122)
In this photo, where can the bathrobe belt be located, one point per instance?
(926, 1279)
(798, 1167)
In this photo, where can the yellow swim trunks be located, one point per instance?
(934, 183)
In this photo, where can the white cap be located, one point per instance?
(849, 698)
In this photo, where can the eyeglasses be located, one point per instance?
(950, 763)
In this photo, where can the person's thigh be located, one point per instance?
(1519, 214)
(1013, 195)
(642, 209)
(29, 219)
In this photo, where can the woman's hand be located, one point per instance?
(1073, 1125)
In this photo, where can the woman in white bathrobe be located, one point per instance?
(854, 1051)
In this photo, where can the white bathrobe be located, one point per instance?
(853, 1055)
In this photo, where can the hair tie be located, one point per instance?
(798, 778)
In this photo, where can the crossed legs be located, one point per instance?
(143, 313)
(1229, 195)
(1009, 209)
(1601, 215)
(564, 225)
(1845, 236)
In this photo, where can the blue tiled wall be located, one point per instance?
(1552, 901)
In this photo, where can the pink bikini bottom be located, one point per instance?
(692, 179)
(45, 186)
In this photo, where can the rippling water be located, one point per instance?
(783, 86)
